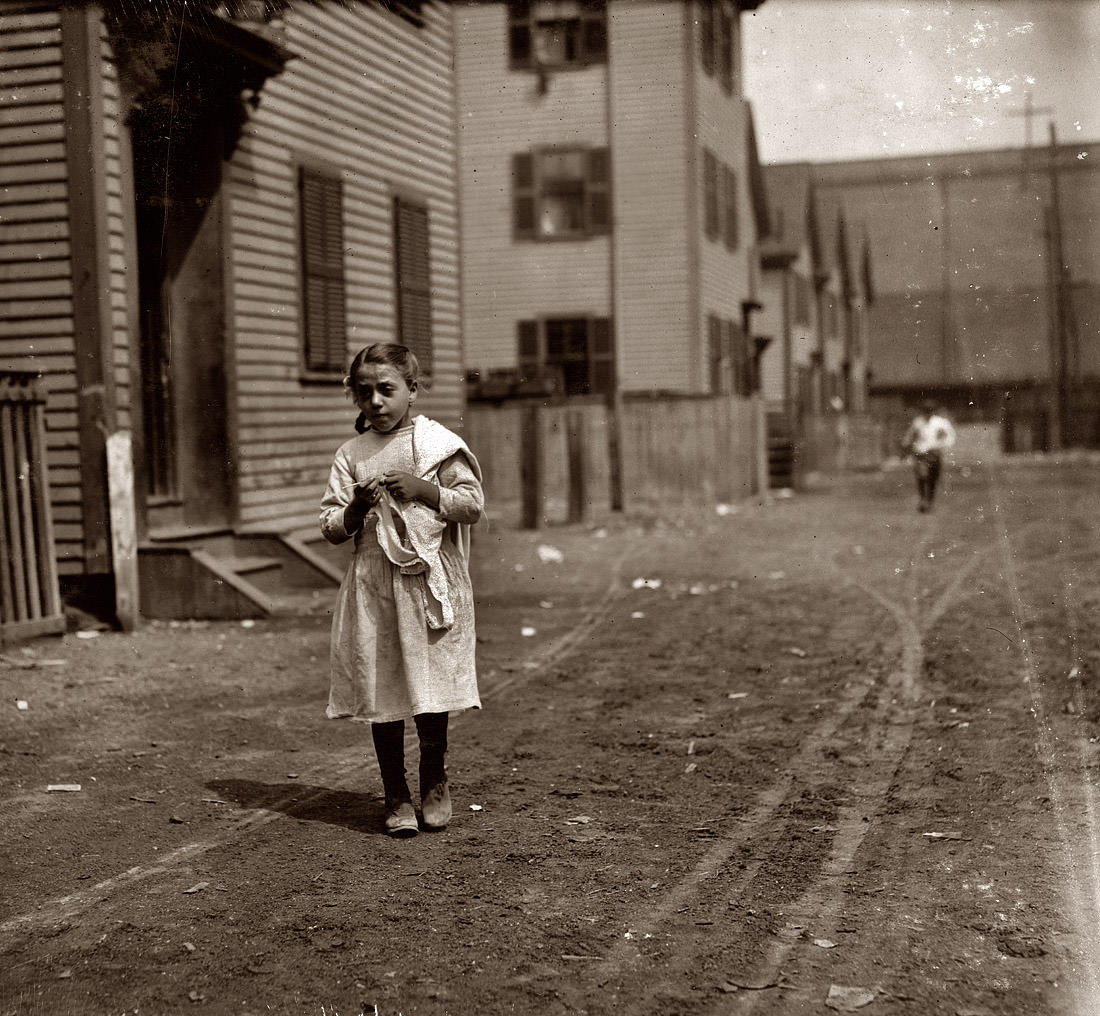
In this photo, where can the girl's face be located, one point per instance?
(383, 396)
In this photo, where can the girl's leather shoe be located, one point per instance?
(435, 805)
(401, 819)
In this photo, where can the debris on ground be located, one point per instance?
(848, 999)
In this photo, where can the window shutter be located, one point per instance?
(529, 359)
(594, 30)
(742, 381)
(706, 34)
(725, 49)
(598, 190)
(710, 194)
(519, 34)
(322, 238)
(731, 225)
(601, 356)
(523, 194)
(413, 269)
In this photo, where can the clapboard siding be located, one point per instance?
(36, 323)
(654, 201)
(37, 326)
(368, 96)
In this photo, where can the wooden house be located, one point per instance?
(206, 209)
(816, 293)
(611, 197)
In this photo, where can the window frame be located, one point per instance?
(529, 191)
(523, 22)
(324, 267)
(532, 351)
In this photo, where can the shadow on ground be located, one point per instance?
(361, 813)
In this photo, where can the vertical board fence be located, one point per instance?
(548, 463)
(30, 598)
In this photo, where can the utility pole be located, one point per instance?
(1058, 296)
(1029, 112)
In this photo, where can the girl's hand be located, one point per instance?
(364, 496)
(406, 487)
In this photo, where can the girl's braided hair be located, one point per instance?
(391, 354)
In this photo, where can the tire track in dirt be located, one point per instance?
(1080, 861)
(108, 891)
(821, 903)
(893, 716)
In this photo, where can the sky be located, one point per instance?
(854, 79)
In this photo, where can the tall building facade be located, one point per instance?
(610, 194)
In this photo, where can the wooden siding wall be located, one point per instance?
(775, 365)
(502, 112)
(370, 96)
(725, 276)
(38, 260)
(655, 195)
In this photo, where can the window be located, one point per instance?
(561, 193)
(320, 204)
(413, 279)
(556, 34)
(577, 350)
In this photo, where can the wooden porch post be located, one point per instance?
(106, 493)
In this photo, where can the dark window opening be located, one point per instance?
(578, 352)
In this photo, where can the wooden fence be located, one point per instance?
(556, 462)
(30, 598)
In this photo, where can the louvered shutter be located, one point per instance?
(731, 225)
(598, 191)
(710, 194)
(601, 356)
(594, 30)
(523, 194)
(706, 35)
(322, 236)
(725, 49)
(528, 341)
(413, 267)
(519, 34)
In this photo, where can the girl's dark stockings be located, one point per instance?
(389, 745)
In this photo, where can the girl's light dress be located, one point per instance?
(396, 649)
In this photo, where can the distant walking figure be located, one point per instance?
(402, 646)
(928, 437)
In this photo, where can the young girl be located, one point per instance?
(407, 490)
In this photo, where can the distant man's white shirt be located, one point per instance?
(934, 433)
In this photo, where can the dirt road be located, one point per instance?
(821, 755)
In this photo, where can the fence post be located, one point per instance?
(532, 466)
(577, 452)
(615, 448)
